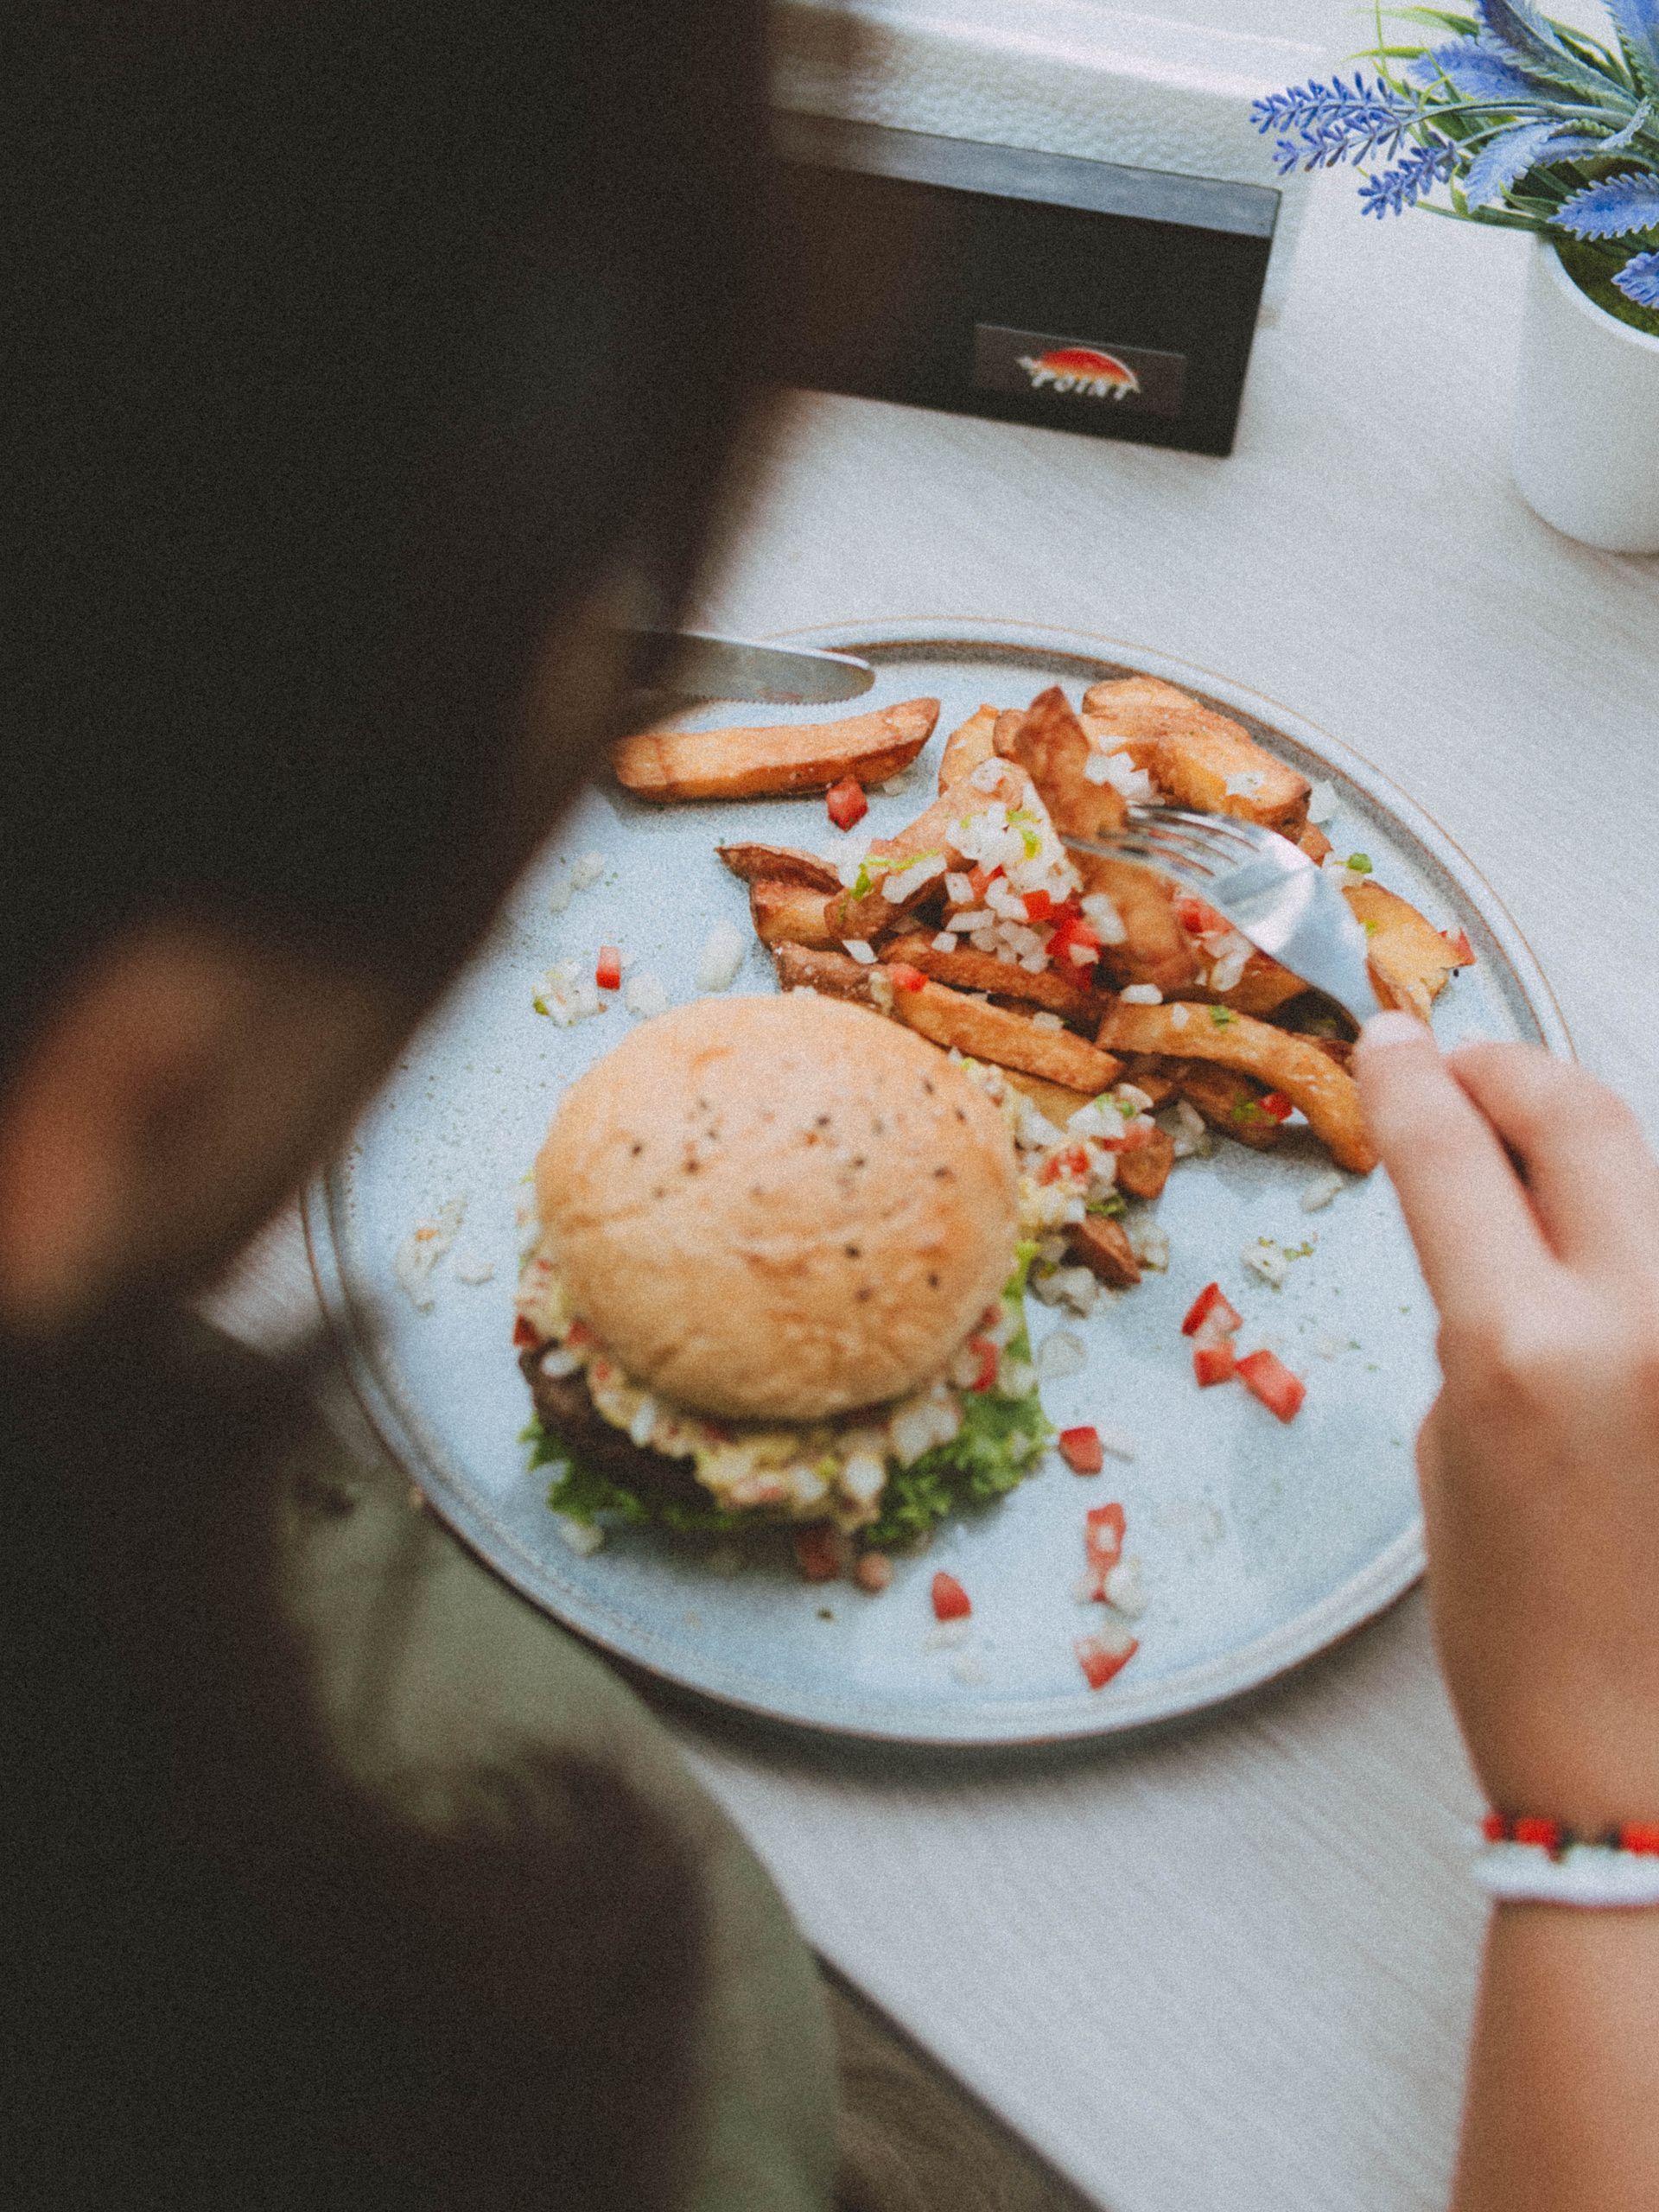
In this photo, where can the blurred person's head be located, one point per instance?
(360, 361)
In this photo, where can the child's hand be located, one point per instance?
(1534, 1203)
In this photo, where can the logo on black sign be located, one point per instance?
(1078, 372)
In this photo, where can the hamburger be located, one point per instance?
(778, 1279)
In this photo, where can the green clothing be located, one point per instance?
(346, 1879)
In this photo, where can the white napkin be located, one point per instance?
(1057, 76)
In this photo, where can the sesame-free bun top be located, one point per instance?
(779, 1207)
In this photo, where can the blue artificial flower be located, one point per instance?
(1477, 72)
(1526, 38)
(1613, 208)
(1505, 159)
(1639, 280)
(1638, 31)
(1322, 124)
(1396, 190)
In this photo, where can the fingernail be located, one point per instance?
(1395, 1028)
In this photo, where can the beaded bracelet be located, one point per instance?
(1543, 1862)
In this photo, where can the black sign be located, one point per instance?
(1032, 288)
(1078, 373)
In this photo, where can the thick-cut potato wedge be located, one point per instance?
(665, 764)
(780, 864)
(837, 975)
(1294, 1066)
(870, 914)
(983, 971)
(1410, 960)
(1143, 1171)
(1050, 746)
(1157, 949)
(785, 913)
(1194, 752)
(1007, 729)
(1262, 989)
(1009, 1039)
(966, 748)
(1229, 1101)
(1054, 1101)
(1152, 1078)
(1102, 1245)
(1056, 1071)
(1314, 843)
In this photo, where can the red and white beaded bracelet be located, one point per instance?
(1528, 1860)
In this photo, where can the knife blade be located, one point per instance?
(696, 665)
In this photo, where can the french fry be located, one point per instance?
(837, 975)
(1054, 1101)
(1102, 1245)
(1229, 1102)
(1051, 746)
(1410, 960)
(1151, 1077)
(1262, 989)
(983, 971)
(1009, 1039)
(1156, 949)
(966, 748)
(1143, 1170)
(1199, 758)
(668, 765)
(786, 913)
(870, 913)
(1293, 1065)
(780, 864)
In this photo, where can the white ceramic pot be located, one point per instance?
(1586, 422)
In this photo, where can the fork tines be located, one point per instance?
(1204, 845)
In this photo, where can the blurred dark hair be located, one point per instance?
(345, 346)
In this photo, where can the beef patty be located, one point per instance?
(566, 1410)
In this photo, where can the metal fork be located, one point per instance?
(1266, 887)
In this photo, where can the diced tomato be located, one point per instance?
(1081, 1451)
(578, 1334)
(905, 976)
(1073, 940)
(1039, 907)
(1103, 1536)
(1266, 1376)
(608, 974)
(1495, 1827)
(1214, 1363)
(526, 1333)
(1275, 1103)
(985, 1379)
(1640, 1836)
(1197, 919)
(1135, 1140)
(1073, 1160)
(1212, 1305)
(1458, 941)
(951, 1601)
(847, 803)
(820, 1552)
(1101, 1660)
(982, 877)
(1547, 1833)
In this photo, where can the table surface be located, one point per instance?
(1232, 1966)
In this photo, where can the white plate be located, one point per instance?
(1260, 1544)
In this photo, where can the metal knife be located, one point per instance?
(697, 666)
